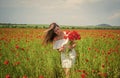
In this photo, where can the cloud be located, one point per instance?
(115, 15)
(29, 3)
(74, 3)
(54, 4)
(38, 3)
(74, 12)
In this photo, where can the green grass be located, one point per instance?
(96, 56)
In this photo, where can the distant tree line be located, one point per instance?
(42, 26)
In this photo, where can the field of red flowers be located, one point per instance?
(22, 55)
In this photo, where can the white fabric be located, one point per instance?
(59, 43)
(67, 61)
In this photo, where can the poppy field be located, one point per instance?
(22, 54)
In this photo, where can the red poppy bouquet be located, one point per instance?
(72, 36)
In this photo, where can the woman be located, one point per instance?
(56, 36)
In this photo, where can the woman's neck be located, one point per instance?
(61, 33)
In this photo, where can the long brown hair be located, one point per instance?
(50, 35)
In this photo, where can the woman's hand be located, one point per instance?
(61, 49)
(72, 45)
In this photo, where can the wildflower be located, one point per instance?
(41, 77)
(8, 76)
(83, 75)
(103, 66)
(22, 49)
(16, 63)
(86, 60)
(89, 49)
(17, 46)
(65, 37)
(24, 76)
(0, 54)
(6, 62)
(109, 53)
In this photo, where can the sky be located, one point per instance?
(63, 12)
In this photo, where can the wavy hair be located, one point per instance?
(50, 34)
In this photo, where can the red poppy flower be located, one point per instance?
(89, 49)
(109, 53)
(17, 46)
(24, 76)
(67, 32)
(41, 77)
(8, 76)
(86, 60)
(0, 54)
(6, 62)
(83, 75)
(16, 63)
(72, 36)
(22, 49)
(103, 66)
(65, 37)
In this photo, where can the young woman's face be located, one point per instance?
(57, 30)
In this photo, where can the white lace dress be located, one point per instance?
(67, 62)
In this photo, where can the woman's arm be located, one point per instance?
(61, 49)
(72, 45)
